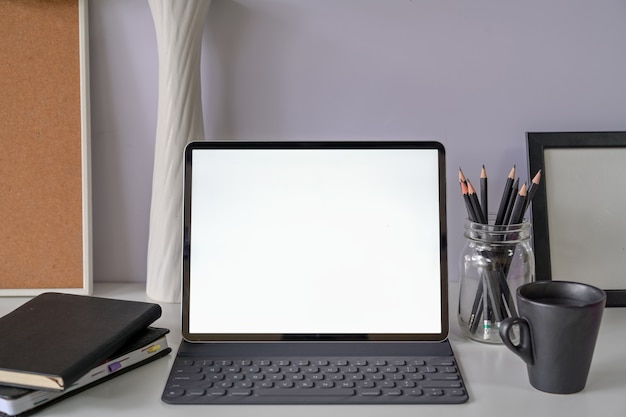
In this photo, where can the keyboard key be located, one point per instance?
(370, 392)
(174, 393)
(337, 392)
(415, 392)
(439, 384)
(188, 370)
(240, 392)
(443, 377)
(194, 377)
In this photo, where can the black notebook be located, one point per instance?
(147, 346)
(54, 339)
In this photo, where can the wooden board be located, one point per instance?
(45, 240)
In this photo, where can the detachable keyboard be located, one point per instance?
(315, 380)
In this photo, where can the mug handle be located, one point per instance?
(524, 348)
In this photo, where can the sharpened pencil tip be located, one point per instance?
(470, 188)
(523, 190)
(537, 177)
(512, 173)
(461, 175)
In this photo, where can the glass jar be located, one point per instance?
(496, 260)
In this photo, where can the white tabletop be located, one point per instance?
(496, 380)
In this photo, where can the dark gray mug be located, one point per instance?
(558, 327)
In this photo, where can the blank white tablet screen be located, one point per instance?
(315, 241)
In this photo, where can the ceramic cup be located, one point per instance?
(558, 324)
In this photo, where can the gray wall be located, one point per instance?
(475, 75)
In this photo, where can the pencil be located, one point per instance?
(511, 202)
(505, 197)
(476, 307)
(468, 204)
(518, 210)
(484, 185)
(533, 188)
(476, 315)
(478, 212)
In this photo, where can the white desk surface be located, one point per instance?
(496, 380)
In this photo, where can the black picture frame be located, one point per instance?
(591, 203)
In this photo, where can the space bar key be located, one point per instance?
(297, 392)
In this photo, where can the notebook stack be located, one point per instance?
(57, 345)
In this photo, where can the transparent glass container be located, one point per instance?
(495, 261)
